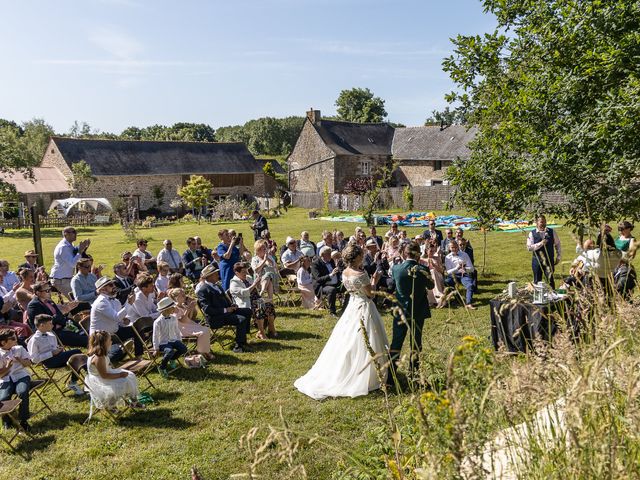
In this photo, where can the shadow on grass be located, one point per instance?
(273, 346)
(292, 335)
(28, 446)
(208, 374)
(59, 420)
(222, 358)
(160, 418)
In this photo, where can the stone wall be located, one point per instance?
(350, 167)
(416, 173)
(311, 152)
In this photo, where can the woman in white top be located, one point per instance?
(305, 284)
(186, 313)
(264, 266)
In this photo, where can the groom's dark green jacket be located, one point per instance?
(412, 280)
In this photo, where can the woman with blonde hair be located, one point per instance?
(264, 266)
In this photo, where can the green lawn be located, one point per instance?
(203, 413)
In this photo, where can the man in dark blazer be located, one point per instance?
(432, 233)
(326, 278)
(124, 285)
(219, 310)
(411, 280)
(259, 224)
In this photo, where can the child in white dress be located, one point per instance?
(109, 387)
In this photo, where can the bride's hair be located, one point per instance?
(350, 253)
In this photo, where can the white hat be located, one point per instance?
(209, 270)
(102, 281)
(371, 243)
(289, 240)
(164, 303)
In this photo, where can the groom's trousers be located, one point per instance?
(401, 328)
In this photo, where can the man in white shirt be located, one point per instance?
(65, 257)
(170, 257)
(291, 258)
(108, 314)
(144, 304)
(458, 268)
(544, 244)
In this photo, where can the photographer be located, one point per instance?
(229, 252)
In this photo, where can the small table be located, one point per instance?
(517, 324)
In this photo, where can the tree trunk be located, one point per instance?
(484, 250)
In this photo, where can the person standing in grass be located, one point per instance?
(229, 255)
(65, 257)
(167, 338)
(544, 244)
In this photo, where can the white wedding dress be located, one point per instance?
(345, 367)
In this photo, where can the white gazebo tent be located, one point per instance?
(66, 204)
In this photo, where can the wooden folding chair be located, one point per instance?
(37, 387)
(78, 364)
(225, 336)
(6, 410)
(143, 328)
(52, 374)
(85, 322)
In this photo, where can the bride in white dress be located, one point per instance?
(345, 367)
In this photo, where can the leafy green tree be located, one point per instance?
(191, 132)
(557, 105)
(82, 178)
(196, 193)
(131, 133)
(35, 138)
(269, 170)
(446, 117)
(359, 105)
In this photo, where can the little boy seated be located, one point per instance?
(167, 338)
(44, 348)
(14, 377)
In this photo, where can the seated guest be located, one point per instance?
(162, 281)
(109, 386)
(327, 241)
(433, 261)
(305, 284)
(124, 285)
(290, 258)
(459, 269)
(10, 317)
(374, 261)
(326, 278)
(176, 280)
(393, 250)
(272, 246)
(465, 246)
(433, 233)
(9, 278)
(306, 246)
(264, 267)
(144, 304)
(393, 231)
(373, 235)
(171, 257)
(148, 260)
(42, 304)
(219, 310)
(167, 338)
(340, 242)
(625, 241)
(44, 348)
(444, 244)
(108, 315)
(206, 253)
(14, 376)
(24, 293)
(186, 313)
(83, 283)
(31, 259)
(192, 261)
(244, 291)
(132, 265)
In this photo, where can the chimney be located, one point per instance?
(314, 116)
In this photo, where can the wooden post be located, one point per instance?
(37, 237)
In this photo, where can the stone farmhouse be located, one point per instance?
(331, 153)
(141, 169)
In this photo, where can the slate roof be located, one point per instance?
(130, 157)
(346, 138)
(431, 143)
(45, 180)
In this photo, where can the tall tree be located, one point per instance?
(557, 104)
(35, 138)
(196, 193)
(446, 117)
(359, 105)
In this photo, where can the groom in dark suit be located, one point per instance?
(219, 310)
(411, 280)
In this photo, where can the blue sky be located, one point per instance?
(116, 63)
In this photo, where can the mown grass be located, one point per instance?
(203, 413)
